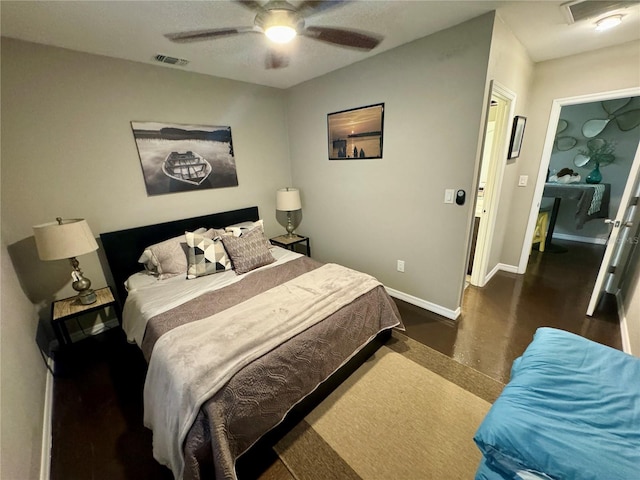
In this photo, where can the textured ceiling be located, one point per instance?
(135, 31)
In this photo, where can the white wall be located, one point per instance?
(23, 379)
(68, 149)
(368, 214)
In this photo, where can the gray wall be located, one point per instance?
(22, 398)
(510, 65)
(367, 214)
(68, 149)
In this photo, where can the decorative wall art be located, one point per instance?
(356, 133)
(517, 134)
(180, 158)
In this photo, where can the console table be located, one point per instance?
(593, 202)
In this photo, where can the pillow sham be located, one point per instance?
(249, 251)
(206, 255)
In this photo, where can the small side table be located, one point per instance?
(290, 243)
(65, 309)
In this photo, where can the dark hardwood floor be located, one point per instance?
(97, 416)
(498, 321)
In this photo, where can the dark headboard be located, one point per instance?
(124, 247)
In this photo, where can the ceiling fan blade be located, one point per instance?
(199, 35)
(276, 59)
(343, 37)
(250, 4)
(311, 7)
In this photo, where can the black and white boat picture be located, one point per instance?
(179, 158)
(186, 167)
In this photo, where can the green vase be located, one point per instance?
(594, 176)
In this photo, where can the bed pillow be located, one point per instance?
(249, 251)
(206, 255)
(148, 258)
(239, 228)
(169, 258)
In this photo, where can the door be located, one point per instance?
(621, 240)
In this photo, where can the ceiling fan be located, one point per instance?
(281, 21)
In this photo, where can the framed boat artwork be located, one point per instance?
(180, 158)
(356, 133)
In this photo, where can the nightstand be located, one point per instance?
(68, 308)
(290, 243)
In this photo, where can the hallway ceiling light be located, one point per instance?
(608, 22)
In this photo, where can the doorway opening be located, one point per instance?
(603, 230)
(492, 165)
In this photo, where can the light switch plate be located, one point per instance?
(449, 195)
(523, 180)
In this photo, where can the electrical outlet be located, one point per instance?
(401, 266)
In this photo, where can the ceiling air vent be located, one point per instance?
(584, 9)
(181, 62)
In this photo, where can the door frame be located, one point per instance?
(493, 187)
(554, 116)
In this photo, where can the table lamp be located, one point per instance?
(288, 200)
(68, 239)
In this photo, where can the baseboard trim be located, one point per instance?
(47, 419)
(500, 267)
(577, 238)
(508, 268)
(418, 302)
(624, 330)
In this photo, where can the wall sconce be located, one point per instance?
(288, 200)
(68, 239)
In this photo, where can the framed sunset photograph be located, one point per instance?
(356, 133)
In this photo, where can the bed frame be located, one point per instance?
(123, 247)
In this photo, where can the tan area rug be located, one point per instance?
(408, 413)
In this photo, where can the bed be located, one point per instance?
(232, 356)
(570, 411)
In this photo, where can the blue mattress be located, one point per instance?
(570, 411)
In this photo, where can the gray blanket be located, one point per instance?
(257, 398)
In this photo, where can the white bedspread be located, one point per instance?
(192, 362)
(157, 296)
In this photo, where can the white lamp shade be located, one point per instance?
(288, 199)
(70, 239)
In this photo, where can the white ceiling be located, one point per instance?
(135, 31)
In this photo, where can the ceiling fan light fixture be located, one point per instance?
(608, 22)
(280, 23)
(280, 33)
